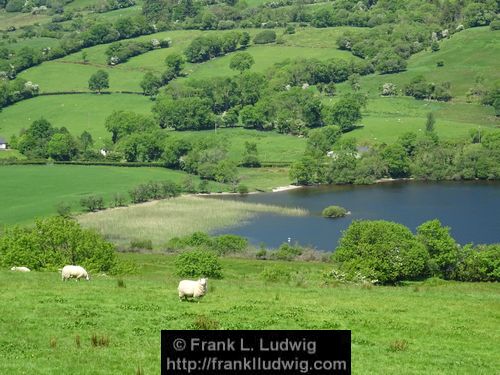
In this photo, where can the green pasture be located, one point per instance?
(385, 119)
(76, 112)
(466, 55)
(58, 76)
(421, 328)
(27, 192)
(271, 146)
(17, 19)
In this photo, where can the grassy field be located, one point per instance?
(448, 327)
(159, 221)
(385, 119)
(466, 55)
(76, 112)
(271, 146)
(27, 192)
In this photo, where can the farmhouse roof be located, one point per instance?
(2, 141)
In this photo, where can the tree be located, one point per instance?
(241, 61)
(251, 155)
(381, 250)
(33, 143)
(175, 62)
(123, 123)
(321, 140)
(244, 39)
(442, 248)
(435, 46)
(396, 158)
(150, 84)
(98, 81)
(192, 113)
(62, 147)
(86, 140)
(345, 113)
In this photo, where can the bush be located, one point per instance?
(381, 250)
(242, 189)
(440, 63)
(198, 263)
(264, 37)
(334, 212)
(63, 209)
(442, 248)
(481, 263)
(92, 203)
(229, 243)
(138, 244)
(222, 245)
(276, 274)
(495, 25)
(287, 252)
(55, 242)
(154, 190)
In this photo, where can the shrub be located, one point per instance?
(289, 30)
(381, 250)
(440, 63)
(154, 190)
(287, 252)
(495, 25)
(334, 212)
(63, 209)
(229, 243)
(55, 242)
(242, 189)
(480, 263)
(92, 203)
(264, 37)
(119, 200)
(141, 244)
(276, 273)
(198, 263)
(442, 248)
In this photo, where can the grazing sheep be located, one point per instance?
(191, 288)
(74, 271)
(20, 269)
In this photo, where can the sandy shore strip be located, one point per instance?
(284, 188)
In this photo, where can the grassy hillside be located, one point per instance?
(466, 55)
(76, 112)
(27, 192)
(414, 329)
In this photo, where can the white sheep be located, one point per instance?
(191, 288)
(20, 269)
(78, 272)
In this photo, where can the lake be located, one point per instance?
(470, 209)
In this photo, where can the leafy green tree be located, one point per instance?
(381, 250)
(142, 147)
(398, 163)
(123, 123)
(191, 113)
(99, 81)
(55, 242)
(226, 171)
(251, 155)
(345, 113)
(175, 62)
(244, 39)
(33, 143)
(150, 84)
(442, 248)
(62, 147)
(241, 61)
(321, 140)
(86, 140)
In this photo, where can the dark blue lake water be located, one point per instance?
(471, 209)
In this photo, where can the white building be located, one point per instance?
(3, 144)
